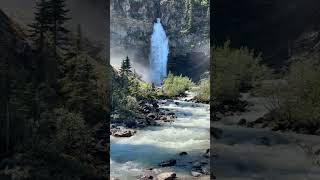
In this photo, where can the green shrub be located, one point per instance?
(297, 100)
(175, 85)
(235, 70)
(203, 93)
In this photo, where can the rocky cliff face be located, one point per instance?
(279, 29)
(131, 29)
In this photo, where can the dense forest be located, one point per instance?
(55, 99)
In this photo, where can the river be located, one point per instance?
(130, 157)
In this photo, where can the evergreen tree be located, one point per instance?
(80, 88)
(58, 13)
(125, 72)
(127, 64)
(125, 68)
(40, 26)
(77, 48)
(39, 31)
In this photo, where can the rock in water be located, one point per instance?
(183, 153)
(122, 132)
(167, 176)
(196, 174)
(151, 116)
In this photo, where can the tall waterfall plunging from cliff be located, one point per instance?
(159, 54)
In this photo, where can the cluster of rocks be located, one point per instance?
(232, 107)
(229, 109)
(119, 131)
(151, 113)
(154, 113)
(268, 121)
(161, 176)
(201, 167)
(198, 168)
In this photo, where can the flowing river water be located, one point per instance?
(130, 157)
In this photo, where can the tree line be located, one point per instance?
(52, 101)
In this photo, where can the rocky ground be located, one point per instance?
(151, 114)
(245, 149)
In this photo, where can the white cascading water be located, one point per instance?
(130, 157)
(159, 54)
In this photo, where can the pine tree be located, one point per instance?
(127, 64)
(58, 13)
(77, 48)
(125, 72)
(80, 88)
(39, 27)
(125, 68)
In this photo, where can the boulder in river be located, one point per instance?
(205, 169)
(183, 153)
(195, 173)
(145, 177)
(168, 120)
(170, 162)
(167, 176)
(162, 118)
(122, 132)
(155, 105)
(151, 116)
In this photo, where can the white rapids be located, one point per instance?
(152, 145)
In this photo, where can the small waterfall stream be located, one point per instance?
(159, 54)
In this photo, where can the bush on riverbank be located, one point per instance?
(295, 102)
(203, 93)
(176, 85)
(235, 71)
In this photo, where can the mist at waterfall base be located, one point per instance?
(159, 54)
(116, 57)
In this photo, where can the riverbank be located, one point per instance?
(260, 153)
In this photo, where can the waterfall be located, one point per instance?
(159, 54)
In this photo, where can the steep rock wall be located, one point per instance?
(131, 29)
